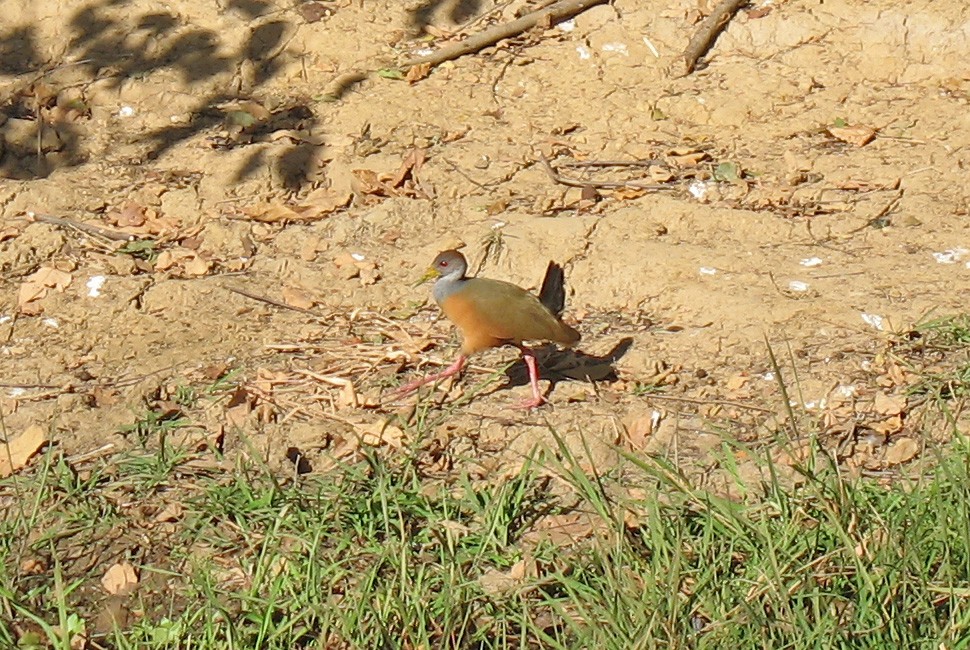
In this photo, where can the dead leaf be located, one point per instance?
(417, 72)
(319, 204)
(136, 219)
(368, 182)
(215, 371)
(36, 285)
(496, 582)
(737, 382)
(237, 414)
(348, 394)
(857, 135)
(120, 579)
(323, 201)
(889, 405)
(888, 426)
(131, 215)
(9, 232)
(315, 10)
(272, 212)
(33, 566)
(182, 262)
(171, 512)
(902, 450)
(378, 433)
(409, 168)
(629, 193)
(687, 157)
(105, 396)
(15, 454)
(79, 636)
(296, 298)
(638, 427)
(8, 406)
(560, 530)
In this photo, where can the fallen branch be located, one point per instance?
(270, 301)
(553, 13)
(708, 30)
(559, 11)
(607, 185)
(86, 228)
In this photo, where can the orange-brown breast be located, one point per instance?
(491, 313)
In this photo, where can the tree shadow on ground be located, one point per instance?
(43, 116)
(457, 11)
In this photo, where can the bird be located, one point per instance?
(492, 313)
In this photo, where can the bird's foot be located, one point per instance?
(532, 403)
(410, 387)
(450, 371)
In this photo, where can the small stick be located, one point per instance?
(609, 185)
(86, 228)
(704, 402)
(708, 30)
(611, 163)
(553, 13)
(270, 301)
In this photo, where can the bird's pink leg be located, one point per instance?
(530, 362)
(450, 371)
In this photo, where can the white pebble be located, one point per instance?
(950, 256)
(619, 48)
(846, 391)
(874, 320)
(697, 189)
(94, 285)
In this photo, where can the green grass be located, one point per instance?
(375, 554)
(944, 345)
(371, 555)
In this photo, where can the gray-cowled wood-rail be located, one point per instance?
(493, 313)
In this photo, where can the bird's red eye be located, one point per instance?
(443, 263)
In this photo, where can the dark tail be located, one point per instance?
(553, 291)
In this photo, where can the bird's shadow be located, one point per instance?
(570, 365)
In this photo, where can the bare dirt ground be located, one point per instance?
(813, 196)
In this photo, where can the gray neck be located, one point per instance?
(446, 285)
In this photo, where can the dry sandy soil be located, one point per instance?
(812, 198)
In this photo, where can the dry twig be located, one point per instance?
(270, 301)
(609, 185)
(707, 31)
(553, 13)
(86, 228)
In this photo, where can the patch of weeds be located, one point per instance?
(938, 351)
(373, 554)
(641, 388)
(944, 333)
(143, 249)
(185, 396)
(155, 424)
